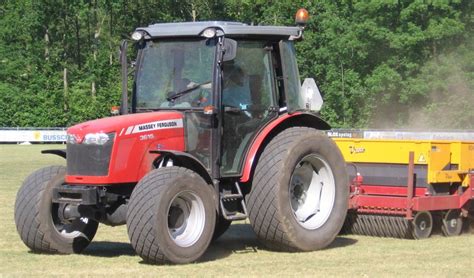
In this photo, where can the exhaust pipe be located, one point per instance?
(123, 62)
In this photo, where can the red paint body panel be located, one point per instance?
(390, 190)
(258, 142)
(131, 158)
(378, 202)
(442, 202)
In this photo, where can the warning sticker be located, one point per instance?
(177, 123)
(421, 158)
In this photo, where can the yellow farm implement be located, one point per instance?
(403, 188)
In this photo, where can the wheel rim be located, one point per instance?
(452, 223)
(312, 192)
(423, 225)
(186, 218)
(70, 229)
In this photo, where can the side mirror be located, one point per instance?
(230, 48)
(310, 95)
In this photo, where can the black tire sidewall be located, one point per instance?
(449, 231)
(302, 238)
(59, 242)
(417, 233)
(195, 184)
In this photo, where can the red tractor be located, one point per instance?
(217, 128)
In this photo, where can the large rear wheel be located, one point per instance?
(298, 199)
(171, 216)
(38, 220)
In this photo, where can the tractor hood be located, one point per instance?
(129, 124)
(93, 158)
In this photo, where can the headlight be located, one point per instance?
(97, 138)
(137, 35)
(71, 139)
(209, 33)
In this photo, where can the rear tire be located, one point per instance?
(171, 216)
(298, 200)
(37, 221)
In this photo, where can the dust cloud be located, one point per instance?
(446, 101)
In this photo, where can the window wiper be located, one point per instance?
(173, 95)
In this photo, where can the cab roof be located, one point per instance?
(192, 29)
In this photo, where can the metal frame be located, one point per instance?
(404, 201)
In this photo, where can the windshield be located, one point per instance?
(175, 74)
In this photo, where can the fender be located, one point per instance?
(186, 160)
(61, 153)
(276, 126)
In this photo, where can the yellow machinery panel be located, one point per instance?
(447, 161)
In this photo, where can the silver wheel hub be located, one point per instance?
(312, 192)
(422, 225)
(453, 223)
(68, 228)
(186, 218)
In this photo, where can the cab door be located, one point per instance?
(247, 100)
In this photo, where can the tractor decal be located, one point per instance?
(177, 123)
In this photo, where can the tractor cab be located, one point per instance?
(228, 79)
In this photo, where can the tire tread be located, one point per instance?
(264, 215)
(27, 202)
(140, 217)
(261, 200)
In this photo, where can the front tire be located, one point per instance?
(298, 200)
(171, 216)
(37, 220)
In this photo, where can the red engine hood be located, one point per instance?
(117, 123)
(135, 136)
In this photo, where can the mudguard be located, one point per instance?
(61, 153)
(186, 160)
(270, 130)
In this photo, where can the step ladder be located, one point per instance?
(233, 197)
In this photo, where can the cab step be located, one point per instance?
(237, 201)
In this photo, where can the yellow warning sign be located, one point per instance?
(422, 158)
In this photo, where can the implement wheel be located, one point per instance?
(422, 225)
(452, 223)
(171, 216)
(298, 200)
(38, 220)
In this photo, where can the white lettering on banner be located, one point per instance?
(167, 124)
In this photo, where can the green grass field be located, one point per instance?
(236, 253)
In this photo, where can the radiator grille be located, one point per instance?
(89, 160)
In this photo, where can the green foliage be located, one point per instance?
(378, 63)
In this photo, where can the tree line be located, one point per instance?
(379, 64)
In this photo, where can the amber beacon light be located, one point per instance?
(301, 17)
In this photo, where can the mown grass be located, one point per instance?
(237, 253)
